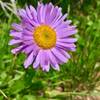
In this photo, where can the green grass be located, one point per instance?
(80, 76)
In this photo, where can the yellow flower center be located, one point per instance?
(45, 36)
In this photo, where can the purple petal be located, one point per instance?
(72, 49)
(39, 12)
(53, 15)
(22, 13)
(28, 13)
(28, 49)
(59, 21)
(66, 33)
(34, 14)
(67, 40)
(44, 61)
(48, 11)
(65, 53)
(16, 50)
(28, 26)
(66, 45)
(25, 37)
(26, 32)
(57, 17)
(53, 60)
(13, 41)
(66, 48)
(65, 28)
(17, 27)
(58, 54)
(44, 15)
(37, 60)
(16, 34)
(64, 24)
(25, 17)
(29, 60)
(28, 42)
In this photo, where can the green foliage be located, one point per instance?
(23, 2)
(80, 76)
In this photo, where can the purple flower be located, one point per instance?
(44, 36)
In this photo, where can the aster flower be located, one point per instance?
(44, 35)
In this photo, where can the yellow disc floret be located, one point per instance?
(45, 36)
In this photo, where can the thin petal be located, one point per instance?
(64, 24)
(37, 60)
(67, 40)
(66, 45)
(28, 12)
(58, 54)
(59, 21)
(28, 42)
(25, 37)
(44, 62)
(66, 33)
(44, 14)
(66, 48)
(25, 17)
(12, 42)
(29, 60)
(39, 12)
(16, 34)
(53, 60)
(65, 53)
(17, 27)
(58, 15)
(18, 49)
(28, 49)
(26, 32)
(48, 11)
(34, 14)
(28, 26)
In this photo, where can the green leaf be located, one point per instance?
(29, 97)
(18, 86)
(37, 85)
(1, 97)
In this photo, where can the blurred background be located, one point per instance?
(79, 79)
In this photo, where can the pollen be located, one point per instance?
(45, 37)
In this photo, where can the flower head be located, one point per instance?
(44, 35)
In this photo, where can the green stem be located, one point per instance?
(3, 94)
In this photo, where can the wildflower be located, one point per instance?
(44, 35)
